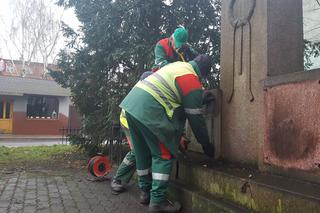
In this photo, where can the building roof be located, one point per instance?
(16, 68)
(10, 85)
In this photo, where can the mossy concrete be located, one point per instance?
(197, 201)
(260, 193)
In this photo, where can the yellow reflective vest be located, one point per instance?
(161, 85)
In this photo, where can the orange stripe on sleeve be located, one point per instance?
(188, 83)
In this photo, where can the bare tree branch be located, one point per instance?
(34, 30)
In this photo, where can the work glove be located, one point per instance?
(207, 97)
(186, 52)
(208, 149)
(183, 143)
(183, 49)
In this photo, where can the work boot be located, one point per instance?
(117, 187)
(165, 206)
(144, 197)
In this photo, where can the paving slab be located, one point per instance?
(63, 192)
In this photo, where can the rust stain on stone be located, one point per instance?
(289, 142)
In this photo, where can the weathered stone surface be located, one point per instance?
(270, 43)
(296, 77)
(293, 125)
(242, 120)
(285, 37)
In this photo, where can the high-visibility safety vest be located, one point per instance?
(161, 85)
(123, 119)
(125, 127)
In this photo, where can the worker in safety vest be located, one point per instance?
(156, 110)
(172, 49)
(167, 50)
(127, 167)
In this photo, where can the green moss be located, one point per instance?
(278, 208)
(230, 191)
(261, 199)
(197, 203)
(214, 187)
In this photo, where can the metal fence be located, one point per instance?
(116, 146)
(66, 132)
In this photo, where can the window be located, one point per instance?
(7, 106)
(1, 109)
(45, 107)
(4, 110)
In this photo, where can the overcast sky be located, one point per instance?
(68, 17)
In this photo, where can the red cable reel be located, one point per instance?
(99, 166)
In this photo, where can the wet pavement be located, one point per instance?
(31, 140)
(24, 142)
(62, 192)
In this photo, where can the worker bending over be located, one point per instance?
(156, 110)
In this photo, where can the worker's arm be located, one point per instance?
(193, 53)
(193, 110)
(160, 57)
(191, 93)
(188, 52)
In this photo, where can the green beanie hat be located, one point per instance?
(180, 36)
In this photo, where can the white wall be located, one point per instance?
(64, 103)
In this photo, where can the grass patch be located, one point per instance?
(52, 156)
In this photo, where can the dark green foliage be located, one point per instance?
(311, 49)
(117, 40)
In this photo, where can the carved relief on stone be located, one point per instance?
(242, 23)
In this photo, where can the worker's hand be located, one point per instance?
(183, 143)
(208, 149)
(183, 49)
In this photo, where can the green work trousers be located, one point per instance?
(127, 168)
(153, 160)
(128, 165)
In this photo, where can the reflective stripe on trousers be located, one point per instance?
(197, 111)
(160, 176)
(127, 162)
(143, 172)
